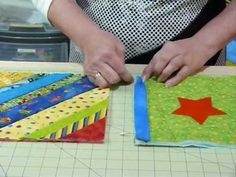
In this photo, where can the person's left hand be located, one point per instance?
(181, 58)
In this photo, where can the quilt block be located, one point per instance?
(51, 107)
(200, 111)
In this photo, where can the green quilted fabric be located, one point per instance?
(168, 127)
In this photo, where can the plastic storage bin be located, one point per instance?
(32, 42)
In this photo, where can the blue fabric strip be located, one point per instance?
(53, 136)
(43, 102)
(75, 127)
(26, 88)
(142, 131)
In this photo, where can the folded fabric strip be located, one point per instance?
(21, 82)
(39, 92)
(142, 131)
(24, 89)
(42, 102)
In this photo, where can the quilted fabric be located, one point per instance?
(200, 111)
(64, 109)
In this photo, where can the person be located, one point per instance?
(174, 38)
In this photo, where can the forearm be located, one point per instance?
(219, 31)
(68, 17)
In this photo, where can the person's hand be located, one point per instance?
(104, 60)
(104, 54)
(177, 60)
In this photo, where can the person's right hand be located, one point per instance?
(104, 54)
(104, 59)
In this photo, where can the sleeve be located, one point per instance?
(42, 6)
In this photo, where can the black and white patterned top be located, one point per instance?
(141, 25)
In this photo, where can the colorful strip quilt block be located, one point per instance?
(200, 111)
(71, 109)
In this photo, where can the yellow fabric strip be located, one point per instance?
(103, 112)
(69, 128)
(58, 135)
(8, 78)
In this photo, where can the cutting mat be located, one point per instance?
(118, 156)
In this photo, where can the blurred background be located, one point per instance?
(25, 35)
(19, 11)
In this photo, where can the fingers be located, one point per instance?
(118, 66)
(181, 75)
(107, 75)
(98, 80)
(148, 71)
(125, 75)
(107, 58)
(175, 61)
(159, 61)
(174, 65)
(157, 65)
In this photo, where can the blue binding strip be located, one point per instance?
(26, 88)
(142, 131)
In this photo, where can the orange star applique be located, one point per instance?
(199, 109)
